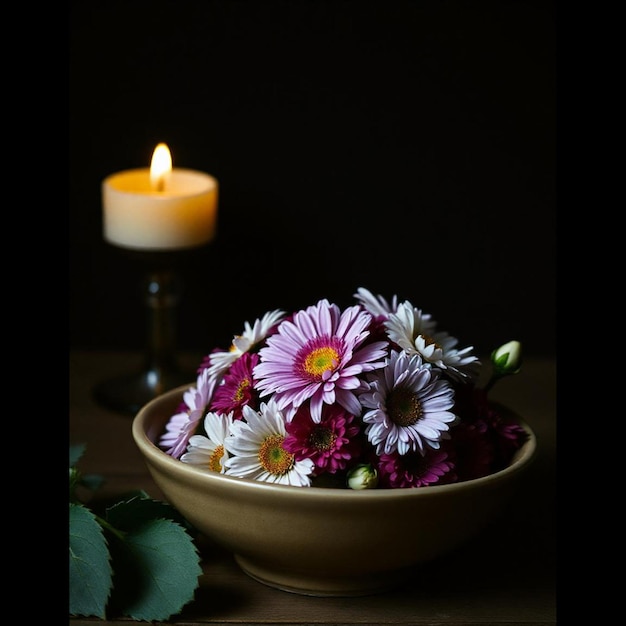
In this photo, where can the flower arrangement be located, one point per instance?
(371, 396)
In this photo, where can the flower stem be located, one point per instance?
(118, 533)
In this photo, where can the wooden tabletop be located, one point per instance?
(507, 575)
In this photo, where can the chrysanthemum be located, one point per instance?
(182, 425)
(508, 438)
(331, 444)
(237, 387)
(208, 452)
(410, 406)
(256, 448)
(318, 356)
(435, 467)
(415, 333)
(220, 360)
(485, 441)
(474, 449)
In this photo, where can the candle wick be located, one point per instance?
(160, 185)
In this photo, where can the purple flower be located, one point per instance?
(410, 406)
(318, 356)
(182, 425)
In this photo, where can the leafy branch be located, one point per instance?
(136, 557)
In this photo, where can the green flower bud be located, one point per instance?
(507, 359)
(363, 476)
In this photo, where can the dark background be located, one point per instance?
(407, 147)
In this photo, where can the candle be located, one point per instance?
(159, 208)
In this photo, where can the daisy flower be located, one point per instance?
(173, 429)
(208, 452)
(182, 425)
(415, 333)
(237, 387)
(256, 447)
(410, 406)
(331, 444)
(378, 306)
(220, 360)
(318, 356)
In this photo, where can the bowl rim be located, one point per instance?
(152, 453)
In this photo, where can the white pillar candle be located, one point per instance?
(159, 208)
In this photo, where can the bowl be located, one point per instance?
(321, 541)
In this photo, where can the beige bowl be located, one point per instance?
(318, 541)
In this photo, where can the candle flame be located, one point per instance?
(160, 167)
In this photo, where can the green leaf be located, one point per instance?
(132, 513)
(157, 569)
(76, 451)
(90, 570)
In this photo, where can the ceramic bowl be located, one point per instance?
(321, 541)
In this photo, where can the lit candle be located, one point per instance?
(159, 208)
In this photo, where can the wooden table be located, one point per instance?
(507, 575)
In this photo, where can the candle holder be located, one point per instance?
(162, 288)
(158, 216)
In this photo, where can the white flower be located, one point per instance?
(377, 306)
(208, 451)
(410, 406)
(220, 361)
(255, 446)
(415, 333)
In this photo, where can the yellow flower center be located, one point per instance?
(238, 396)
(404, 407)
(273, 457)
(214, 459)
(320, 360)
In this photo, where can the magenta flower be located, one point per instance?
(508, 438)
(434, 467)
(237, 388)
(331, 444)
(474, 450)
(318, 356)
(484, 441)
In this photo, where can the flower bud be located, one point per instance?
(363, 476)
(507, 359)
